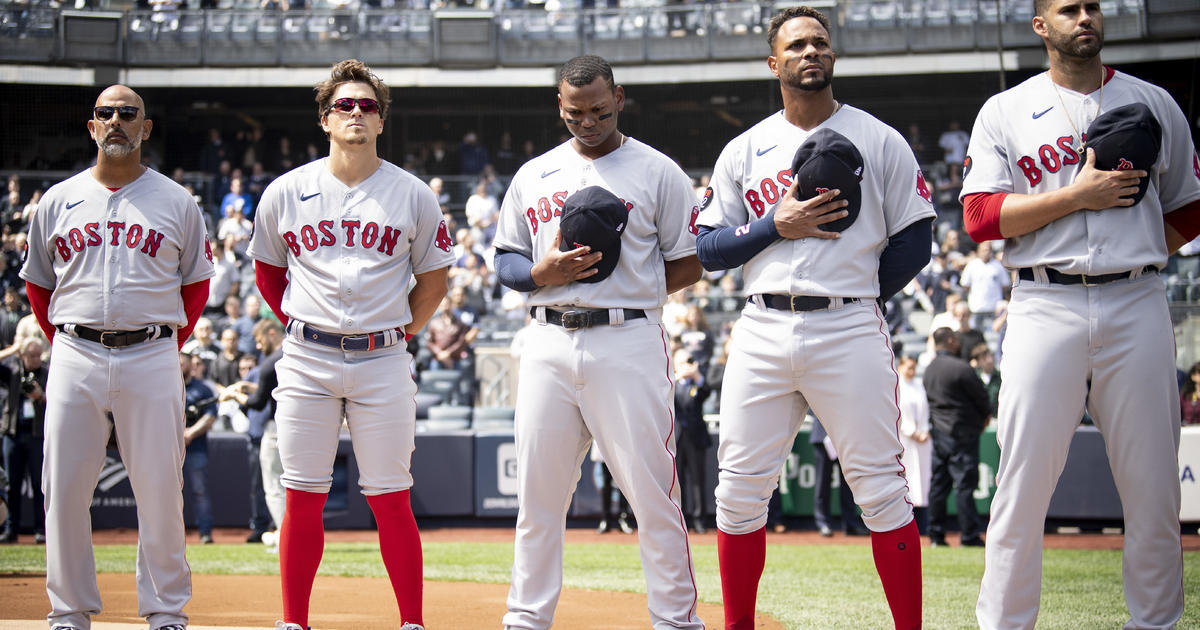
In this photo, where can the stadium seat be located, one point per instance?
(448, 418)
(492, 418)
(425, 400)
(441, 382)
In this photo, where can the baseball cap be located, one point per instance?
(1125, 138)
(825, 161)
(594, 217)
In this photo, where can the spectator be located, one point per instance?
(472, 155)
(696, 338)
(506, 162)
(914, 435)
(674, 313)
(253, 151)
(237, 320)
(11, 209)
(482, 210)
(985, 280)
(218, 186)
(1189, 396)
(968, 335)
(825, 458)
(451, 342)
(14, 309)
(226, 370)
(954, 143)
(691, 436)
(958, 411)
(238, 199)
(284, 159)
(213, 152)
(259, 178)
(984, 364)
(255, 394)
(235, 230)
(607, 503)
(200, 412)
(916, 142)
(22, 428)
(224, 282)
(439, 160)
(202, 343)
(438, 187)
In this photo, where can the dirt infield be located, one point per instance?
(363, 603)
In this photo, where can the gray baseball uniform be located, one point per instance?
(609, 383)
(116, 261)
(1108, 348)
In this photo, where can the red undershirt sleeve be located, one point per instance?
(981, 216)
(1186, 220)
(39, 303)
(194, 297)
(272, 281)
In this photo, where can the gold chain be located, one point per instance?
(1099, 103)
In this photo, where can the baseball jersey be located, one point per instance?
(116, 260)
(662, 212)
(1023, 142)
(754, 172)
(350, 251)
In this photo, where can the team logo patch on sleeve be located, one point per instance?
(922, 187)
(966, 165)
(443, 241)
(707, 198)
(208, 249)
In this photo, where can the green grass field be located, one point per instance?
(804, 587)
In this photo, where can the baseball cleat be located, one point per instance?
(280, 625)
(412, 626)
(174, 626)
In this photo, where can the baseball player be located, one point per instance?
(118, 265)
(1088, 325)
(336, 243)
(812, 334)
(596, 364)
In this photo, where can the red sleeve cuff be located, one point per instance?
(981, 216)
(39, 303)
(272, 281)
(194, 295)
(1186, 220)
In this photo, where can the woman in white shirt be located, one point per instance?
(914, 435)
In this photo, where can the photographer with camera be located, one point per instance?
(21, 425)
(200, 412)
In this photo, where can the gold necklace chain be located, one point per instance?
(1099, 103)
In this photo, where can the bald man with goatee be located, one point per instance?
(117, 273)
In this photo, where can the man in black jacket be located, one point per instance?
(691, 435)
(958, 410)
(21, 425)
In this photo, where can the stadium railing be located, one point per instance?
(522, 37)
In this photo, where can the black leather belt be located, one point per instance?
(116, 338)
(361, 342)
(576, 319)
(798, 303)
(1057, 277)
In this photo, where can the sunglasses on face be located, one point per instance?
(128, 113)
(346, 105)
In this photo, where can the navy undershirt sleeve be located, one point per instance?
(515, 270)
(724, 248)
(905, 256)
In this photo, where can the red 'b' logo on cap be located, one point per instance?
(1124, 165)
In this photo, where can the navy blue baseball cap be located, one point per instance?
(828, 160)
(594, 217)
(1126, 138)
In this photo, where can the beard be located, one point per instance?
(1070, 46)
(115, 150)
(797, 80)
